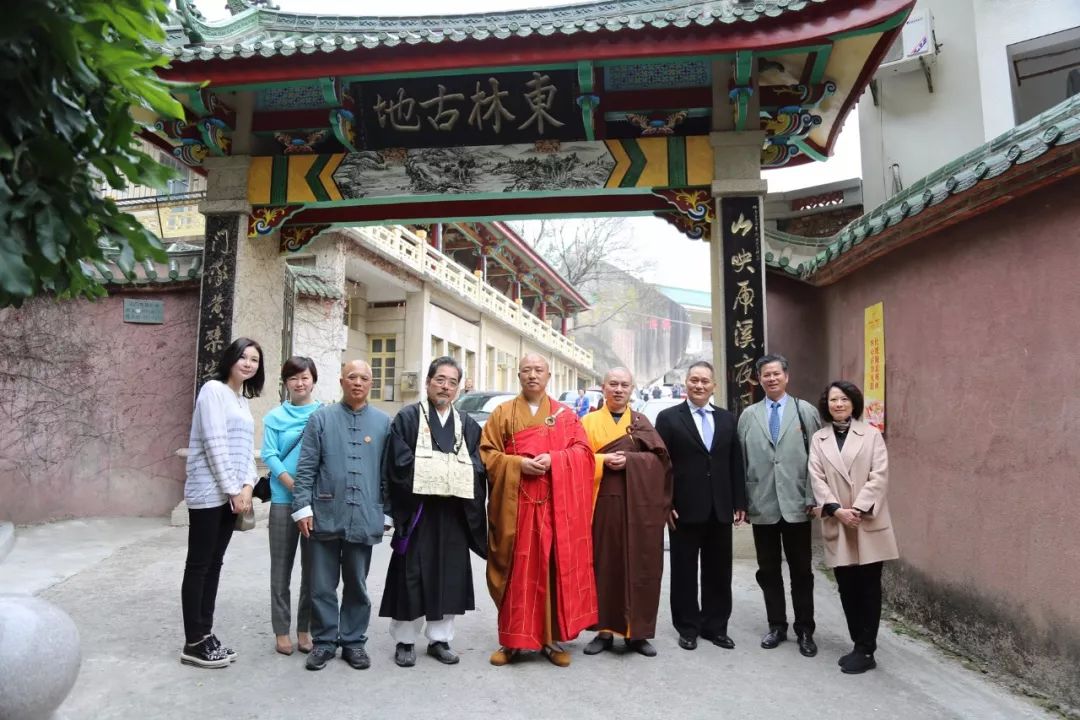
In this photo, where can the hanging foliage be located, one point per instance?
(72, 70)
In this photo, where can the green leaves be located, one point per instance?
(73, 69)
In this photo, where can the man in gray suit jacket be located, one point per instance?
(774, 435)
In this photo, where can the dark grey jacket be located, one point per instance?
(339, 473)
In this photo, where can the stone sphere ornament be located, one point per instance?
(39, 657)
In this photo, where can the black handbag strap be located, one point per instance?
(802, 426)
(297, 442)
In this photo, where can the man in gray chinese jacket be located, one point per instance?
(337, 504)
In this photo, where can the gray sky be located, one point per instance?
(674, 260)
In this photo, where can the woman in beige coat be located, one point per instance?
(849, 470)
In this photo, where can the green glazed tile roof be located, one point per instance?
(1060, 125)
(184, 264)
(314, 283)
(686, 296)
(266, 32)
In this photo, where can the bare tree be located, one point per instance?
(596, 256)
(584, 251)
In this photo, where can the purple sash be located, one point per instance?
(400, 543)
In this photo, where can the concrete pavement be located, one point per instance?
(124, 597)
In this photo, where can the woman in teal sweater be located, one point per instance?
(283, 429)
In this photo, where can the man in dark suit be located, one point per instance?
(710, 495)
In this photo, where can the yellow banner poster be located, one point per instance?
(874, 355)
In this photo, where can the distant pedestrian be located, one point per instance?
(657, 392)
(220, 478)
(582, 404)
(849, 467)
(283, 429)
(337, 503)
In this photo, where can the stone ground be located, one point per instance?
(120, 581)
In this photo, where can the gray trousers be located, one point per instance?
(332, 560)
(283, 537)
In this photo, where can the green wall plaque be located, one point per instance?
(146, 312)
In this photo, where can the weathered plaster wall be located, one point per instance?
(981, 347)
(796, 329)
(92, 409)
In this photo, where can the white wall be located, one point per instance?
(920, 130)
(1000, 23)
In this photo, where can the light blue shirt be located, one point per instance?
(697, 417)
(779, 411)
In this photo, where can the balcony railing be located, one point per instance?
(412, 251)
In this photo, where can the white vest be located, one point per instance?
(442, 473)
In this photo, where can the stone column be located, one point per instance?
(737, 190)
(417, 340)
(226, 222)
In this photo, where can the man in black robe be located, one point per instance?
(435, 486)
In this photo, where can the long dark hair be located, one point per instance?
(254, 385)
(854, 394)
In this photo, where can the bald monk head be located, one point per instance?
(533, 374)
(618, 384)
(355, 383)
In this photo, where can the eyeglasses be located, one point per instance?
(442, 381)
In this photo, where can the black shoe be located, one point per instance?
(204, 654)
(404, 655)
(441, 651)
(774, 637)
(229, 652)
(807, 646)
(687, 643)
(642, 647)
(845, 658)
(599, 644)
(319, 656)
(858, 663)
(358, 659)
(723, 641)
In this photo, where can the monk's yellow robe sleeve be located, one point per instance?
(602, 429)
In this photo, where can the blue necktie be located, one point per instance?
(774, 422)
(706, 428)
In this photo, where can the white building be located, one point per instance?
(985, 66)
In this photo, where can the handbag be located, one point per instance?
(245, 521)
(262, 487)
(400, 543)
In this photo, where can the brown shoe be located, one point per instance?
(502, 656)
(283, 645)
(557, 656)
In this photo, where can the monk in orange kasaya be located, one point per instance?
(540, 557)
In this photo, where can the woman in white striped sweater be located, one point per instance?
(220, 478)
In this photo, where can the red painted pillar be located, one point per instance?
(562, 325)
(437, 233)
(543, 309)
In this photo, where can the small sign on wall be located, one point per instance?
(874, 373)
(145, 312)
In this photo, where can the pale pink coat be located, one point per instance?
(856, 477)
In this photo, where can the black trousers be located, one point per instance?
(209, 532)
(794, 538)
(710, 542)
(860, 594)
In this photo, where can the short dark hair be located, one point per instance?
(702, 363)
(252, 386)
(442, 361)
(298, 364)
(770, 358)
(854, 394)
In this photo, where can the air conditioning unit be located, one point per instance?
(915, 48)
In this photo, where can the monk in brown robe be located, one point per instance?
(633, 501)
(540, 561)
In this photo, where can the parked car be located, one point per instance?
(595, 395)
(653, 407)
(480, 404)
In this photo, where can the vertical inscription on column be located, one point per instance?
(216, 294)
(744, 297)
